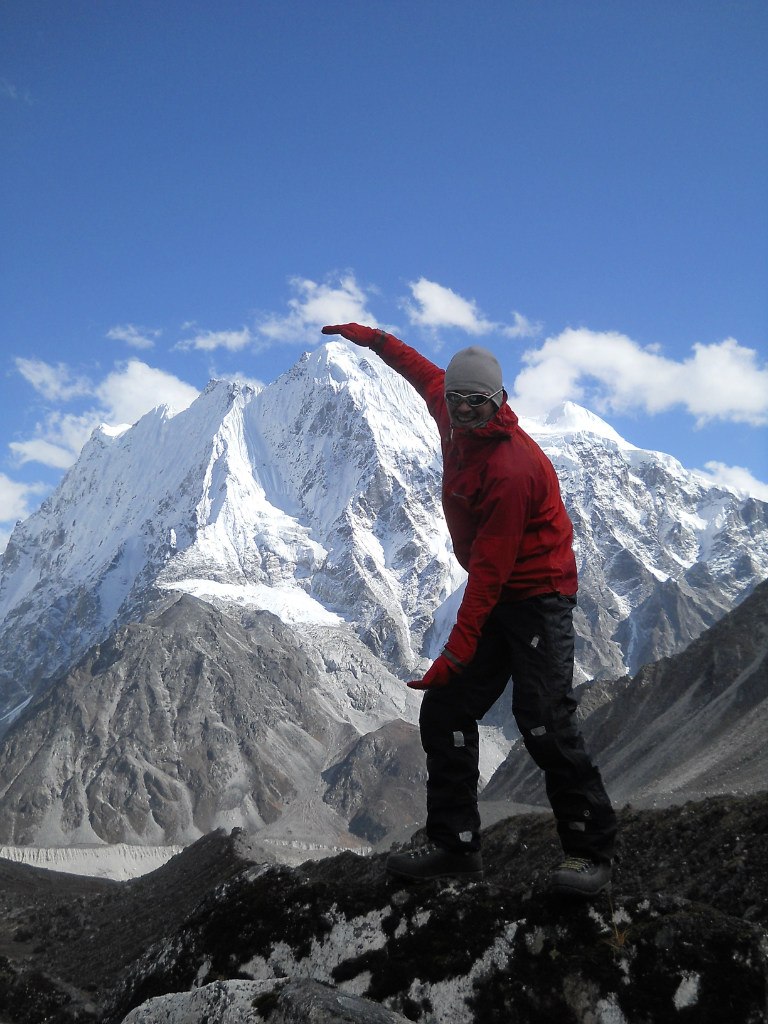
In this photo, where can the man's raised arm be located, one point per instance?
(423, 375)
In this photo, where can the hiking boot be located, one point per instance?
(579, 876)
(430, 861)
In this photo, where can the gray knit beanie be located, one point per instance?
(475, 369)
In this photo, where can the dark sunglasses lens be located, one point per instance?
(473, 401)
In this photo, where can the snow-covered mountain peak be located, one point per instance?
(360, 382)
(337, 360)
(315, 498)
(569, 418)
(233, 389)
(112, 429)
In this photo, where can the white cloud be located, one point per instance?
(342, 300)
(136, 337)
(124, 396)
(16, 502)
(610, 372)
(54, 383)
(207, 341)
(725, 381)
(242, 378)
(135, 388)
(15, 498)
(736, 477)
(314, 305)
(521, 327)
(436, 306)
(46, 451)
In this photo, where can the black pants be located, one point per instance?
(532, 642)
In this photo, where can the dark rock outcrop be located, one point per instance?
(682, 936)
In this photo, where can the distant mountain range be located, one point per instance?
(210, 619)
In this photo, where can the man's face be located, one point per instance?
(469, 409)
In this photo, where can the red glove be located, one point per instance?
(439, 673)
(354, 332)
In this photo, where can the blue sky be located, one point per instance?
(190, 190)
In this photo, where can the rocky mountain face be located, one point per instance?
(210, 619)
(661, 555)
(192, 721)
(378, 785)
(219, 935)
(189, 721)
(683, 728)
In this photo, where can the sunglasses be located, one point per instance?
(454, 398)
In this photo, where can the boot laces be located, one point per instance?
(422, 851)
(576, 864)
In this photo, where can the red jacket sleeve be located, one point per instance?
(423, 375)
(494, 552)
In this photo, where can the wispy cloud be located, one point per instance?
(9, 91)
(242, 377)
(209, 341)
(612, 373)
(434, 306)
(56, 443)
(16, 498)
(522, 327)
(136, 337)
(57, 440)
(313, 305)
(56, 383)
(341, 299)
(122, 397)
(737, 478)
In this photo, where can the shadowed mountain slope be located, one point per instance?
(684, 727)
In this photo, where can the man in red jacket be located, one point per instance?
(512, 535)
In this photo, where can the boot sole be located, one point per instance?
(562, 889)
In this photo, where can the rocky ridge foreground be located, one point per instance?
(218, 936)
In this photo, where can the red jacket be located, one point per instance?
(502, 504)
